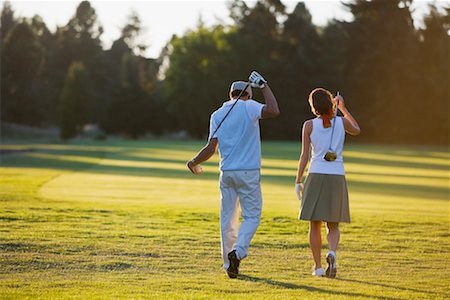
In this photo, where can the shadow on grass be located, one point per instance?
(388, 286)
(266, 245)
(414, 164)
(293, 286)
(62, 161)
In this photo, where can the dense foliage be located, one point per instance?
(394, 76)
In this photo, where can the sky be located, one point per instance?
(163, 18)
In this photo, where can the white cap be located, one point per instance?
(240, 86)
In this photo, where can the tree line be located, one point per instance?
(394, 76)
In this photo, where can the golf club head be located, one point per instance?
(330, 156)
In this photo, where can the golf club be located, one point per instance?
(331, 155)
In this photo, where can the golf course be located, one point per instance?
(126, 219)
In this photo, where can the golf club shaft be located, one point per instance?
(237, 99)
(334, 120)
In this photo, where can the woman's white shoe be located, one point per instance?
(318, 272)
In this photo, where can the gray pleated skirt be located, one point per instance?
(325, 198)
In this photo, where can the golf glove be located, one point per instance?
(299, 190)
(256, 80)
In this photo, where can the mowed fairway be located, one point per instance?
(123, 219)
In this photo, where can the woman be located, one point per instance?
(324, 195)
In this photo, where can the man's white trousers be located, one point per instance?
(244, 188)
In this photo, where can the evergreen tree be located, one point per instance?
(133, 109)
(387, 69)
(433, 77)
(79, 41)
(21, 58)
(8, 20)
(256, 44)
(301, 48)
(257, 38)
(331, 60)
(130, 111)
(382, 50)
(131, 33)
(44, 91)
(73, 107)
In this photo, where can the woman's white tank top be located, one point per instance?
(320, 144)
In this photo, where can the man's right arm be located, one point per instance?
(270, 109)
(208, 150)
(203, 155)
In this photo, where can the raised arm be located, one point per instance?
(350, 124)
(270, 109)
(203, 155)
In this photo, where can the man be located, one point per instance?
(234, 128)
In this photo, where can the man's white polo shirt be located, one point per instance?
(238, 137)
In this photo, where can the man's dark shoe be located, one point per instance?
(233, 269)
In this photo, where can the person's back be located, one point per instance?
(239, 136)
(324, 196)
(321, 139)
(234, 129)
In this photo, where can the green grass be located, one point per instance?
(127, 220)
